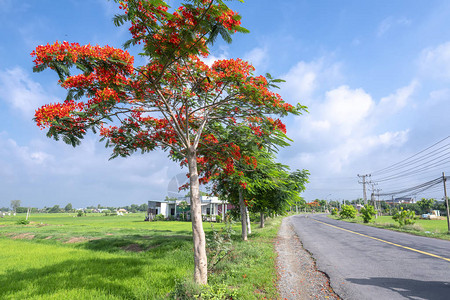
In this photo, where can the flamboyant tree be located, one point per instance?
(173, 103)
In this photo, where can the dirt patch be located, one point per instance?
(132, 248)
(38, 224)
(49, 237)
(78, 239)
(298, 277)
(23, 236)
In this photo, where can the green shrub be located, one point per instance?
(79, 213)
(404, 217)
(219, 244)
(22, 222)
(217, 292)
(159, 217)
(187, 289)
(347, 212)
(393, 211)
(219, 218)
(334, 211)
(367, 213)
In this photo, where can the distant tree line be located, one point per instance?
(423, 206)
(16, 207)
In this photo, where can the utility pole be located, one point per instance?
(378, 206)
(364, 186)
(446, 202)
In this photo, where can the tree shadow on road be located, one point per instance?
(409, 288)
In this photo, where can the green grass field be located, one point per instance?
(429, 228)
(60, 256)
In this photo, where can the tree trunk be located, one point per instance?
(243, 216)
(249, 224)
(198, 234)
(261, 220)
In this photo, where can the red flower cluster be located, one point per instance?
(229, 19)
(47, 113)
(161, 31)
(236, 69)
(74, 52)
(277, 124)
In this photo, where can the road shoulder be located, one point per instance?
(298, 276)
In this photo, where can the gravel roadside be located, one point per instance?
(298, 277)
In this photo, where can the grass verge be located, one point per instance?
(58, 256)
(428, 228)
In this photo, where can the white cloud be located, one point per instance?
(390, 22)
(347, 107)
(22, 164)
(21, 92)
(212, 57)
(437, 97)
(304, 79)
(393, 138)
(397, 100)
(257, 57)
(356, 148)
(29, 168)
(348, 155)
(339, 115)
(345, 125)
(434, 62)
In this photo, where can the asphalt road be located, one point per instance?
(370, 263)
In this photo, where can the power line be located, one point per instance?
(411, 176)
(417, 188)
(398, 165)
(414, 171)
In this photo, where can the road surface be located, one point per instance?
(370, 263)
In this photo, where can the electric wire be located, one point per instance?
(413, 171)
(411, 176)
(397, 165)
(419, 166)
(414, 188)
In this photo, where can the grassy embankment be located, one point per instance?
(59, 256)
(428, 228)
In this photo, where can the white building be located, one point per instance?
(211, 206)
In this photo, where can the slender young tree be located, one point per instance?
(15, 204)
(274, 190)
(173, 103)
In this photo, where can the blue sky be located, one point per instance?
(374, 74)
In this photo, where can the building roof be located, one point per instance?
(204, 200)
